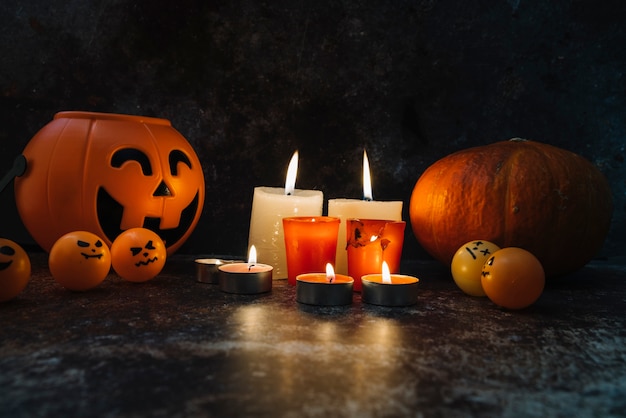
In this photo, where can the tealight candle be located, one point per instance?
(389, 289)
(269, 206)
(207, 269)
(370, 242)
(246, 278)
(367, 208)
(310, 243)
(324, 289)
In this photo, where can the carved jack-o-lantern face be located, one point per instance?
(14, 269)
(79, 260)
(143, 187)
(108, 173)
(138, 255)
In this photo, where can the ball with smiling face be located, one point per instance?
(79, 260)
(14, 269)
(138, 254)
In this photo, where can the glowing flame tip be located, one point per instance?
(367, 179)
(386, 273)
(252, 255)
(292, 173)
(330, 273)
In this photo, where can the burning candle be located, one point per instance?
(370, 242)
(327, 289)
(246, 278)
(388, 289)
(310, 243)
(367, 208)
(269, 206)
(207, 269)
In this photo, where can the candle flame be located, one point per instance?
(252, 255)
(386, 273)
(330, 273)
(292, 172)
(367, 179)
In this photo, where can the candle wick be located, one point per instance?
(367, 199)
(250, 266)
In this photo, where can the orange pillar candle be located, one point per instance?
(369, 243)
(310, 243)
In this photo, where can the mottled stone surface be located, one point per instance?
(250, 82)
(247, 83)
(175, 347)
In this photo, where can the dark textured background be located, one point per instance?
(248, 82)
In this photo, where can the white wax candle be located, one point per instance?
(269, 206)
(363, 209)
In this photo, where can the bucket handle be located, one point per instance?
(19, 168)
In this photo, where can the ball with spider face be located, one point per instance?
(14, 269)
(79, 260)
(138, 254)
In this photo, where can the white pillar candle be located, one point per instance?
(269, 206)
(367, 208)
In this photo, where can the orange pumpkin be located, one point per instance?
(106, 173)
(514, 193)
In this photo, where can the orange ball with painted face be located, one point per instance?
(14, 269)
(79, 260)
(513, 278)
(138, 255)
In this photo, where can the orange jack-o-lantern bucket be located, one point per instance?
(106, 173)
